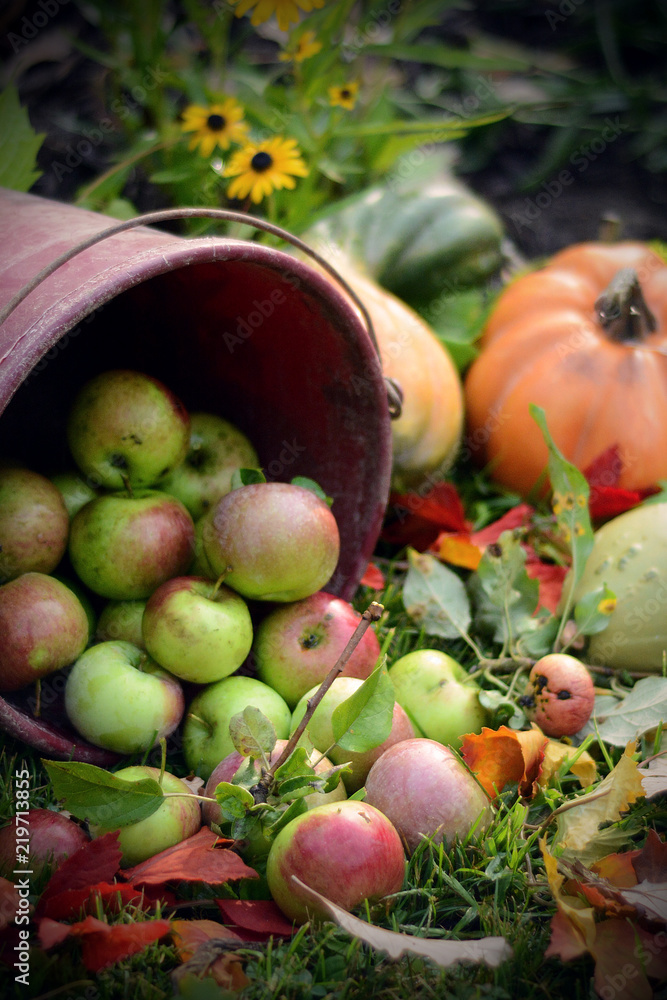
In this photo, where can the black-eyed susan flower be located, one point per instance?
(286, 11)
(344, 96)
(260, 168)
(304, 47)
(217, 125)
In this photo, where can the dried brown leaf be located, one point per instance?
(490, 950)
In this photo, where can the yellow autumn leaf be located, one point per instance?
(580, 916)
(578, 825)
(557, 753)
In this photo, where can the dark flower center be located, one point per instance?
(216, 123)
(261, 162)
(345, 93)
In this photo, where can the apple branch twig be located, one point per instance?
(373, 613)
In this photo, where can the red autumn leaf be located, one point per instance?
(102, 944)
(373, 577)
(606, 468)
(196, 859)
(604, 898)
(618, 869)
(517, 517)
(498, 757)
(607, 499)
(566, 940)
(417, 520)
(650, 864)
(625, 955)
(551, 578)
(465, 549)
(188, 935)
(96, 861)
(69, 904)
(255, 919)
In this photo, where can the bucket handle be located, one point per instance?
(394, 392)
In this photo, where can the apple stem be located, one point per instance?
(202, 722)
(127, 484)
(219, 582)
(373, 613)
(163, 759)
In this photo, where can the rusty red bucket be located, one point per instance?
(234, 327)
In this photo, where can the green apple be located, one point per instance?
(217, 448)
(206, 738)
(75, 490)
(200, 566)
(121, 620)
(123, 546)
(198, 630)
(438, 695)
(43, 627)
(125, 426)
(118, 698)
(320, 731)
(177, 818)
(34, 523)
(280, 540)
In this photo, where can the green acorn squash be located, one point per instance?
(629, 555)
(418, 242)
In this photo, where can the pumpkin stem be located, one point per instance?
(622, 310)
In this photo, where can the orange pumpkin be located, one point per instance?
(585, 338)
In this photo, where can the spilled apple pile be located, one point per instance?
(184, 597)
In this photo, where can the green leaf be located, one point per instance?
(21, 143)
(640, 711)
(435, 597)
(502, 574)
(246, 477)
(96, 795)
(294, 809)
(541, 640)
(310, 484)
(328, 781)
(505, 712)
(569, 501)
(234, 800)
(295, 776)
(448, 57)
(591, 613)
(364, 720)
(252, 734)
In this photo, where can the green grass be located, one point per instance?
(489, 886)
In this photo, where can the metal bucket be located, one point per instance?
(233, 327)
